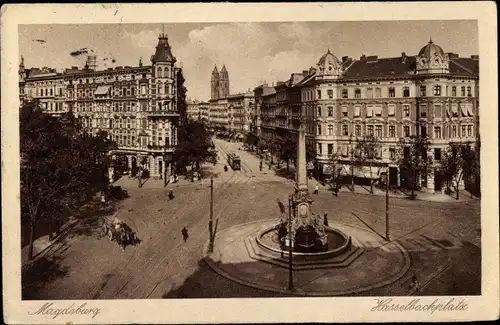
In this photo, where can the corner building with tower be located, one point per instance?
(137, 106)
(432, 94)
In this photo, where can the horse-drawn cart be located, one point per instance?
(119, 231)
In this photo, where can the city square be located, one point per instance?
(332, 177)
(163, 266)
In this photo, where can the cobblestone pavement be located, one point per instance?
(85, 265)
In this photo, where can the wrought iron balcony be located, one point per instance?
(162, 113)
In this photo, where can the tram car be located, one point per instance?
(234, 161)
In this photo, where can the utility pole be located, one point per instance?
(211, 222)
(352, 161)
(290, 275)
(387, 237)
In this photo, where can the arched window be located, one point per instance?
(160, 74)
(167, 90)
(166, 72)
(133, 91)
(159, 88)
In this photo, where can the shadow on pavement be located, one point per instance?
(42, 272)
(205, 283)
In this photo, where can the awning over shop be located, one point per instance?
(102, 90)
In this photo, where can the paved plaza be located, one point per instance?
(441, 241)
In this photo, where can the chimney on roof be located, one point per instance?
(372, 58)
(453, 55)
(362, 57)
(305, 73)
(403, 57)
(474, 57)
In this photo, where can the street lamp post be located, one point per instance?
(165, 166)
(387, 237)
(290, 274)
(211, 222)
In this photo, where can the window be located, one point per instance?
(345, 130)
(462, 90)
(454, 109)
(159, 88)
(392, 92)
(357, 110)
(378, 110)
(406, 131)
(319, 110)
(378, 92)
(392, 131)
(330, 93)
(469, 91)
(330, 129)
(437, 154)
(357, 93)
(406, 91)
(369, 130)
(423, 91)
(369, 92)
(454, 91)
(330, 110)
(391, 109)
(463, 130)
(437, 132)
(143, 89)
(319, 93)
(378, 131)
(406, 110)
(345, 93)
(454, 131)
(423, 110)
(423, 131)
(319, 129)
(330, 149)
(437, 90)
(357, 130)
(344, 111)
(320, 149)
(469, 130)
(392, 153)
(369, 111)
(132, 91)
(438, 110)
(160, 72)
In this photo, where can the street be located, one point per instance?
(86, 265)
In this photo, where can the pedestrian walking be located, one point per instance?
(185, 234)
(415, 285)
(316, 189)
(325, 220)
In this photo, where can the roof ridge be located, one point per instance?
(463, 67)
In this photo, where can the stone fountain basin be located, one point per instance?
(338, 243)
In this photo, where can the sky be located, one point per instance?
(253, 53)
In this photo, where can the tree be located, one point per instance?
(460, 162)
(413, 160)
(60, 167)
(181, 97)
(366, 150)
(335, 168)
(195, 146)
(288, 150)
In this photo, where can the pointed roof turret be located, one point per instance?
(163, 52)
(21, 65)
(223, 68)
(215, 72)
(223, 72)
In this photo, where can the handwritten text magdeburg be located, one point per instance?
(47, 309)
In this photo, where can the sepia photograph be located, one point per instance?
(165, 161)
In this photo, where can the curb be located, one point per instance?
(299, 292)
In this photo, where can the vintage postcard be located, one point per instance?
(249, 163)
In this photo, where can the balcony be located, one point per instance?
(160, 148)
(166, 113)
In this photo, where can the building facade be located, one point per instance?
(136, 106)
(432, 94)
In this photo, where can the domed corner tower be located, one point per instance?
(223, 83)
(214, 84)
(432, 59)
(329, 66)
